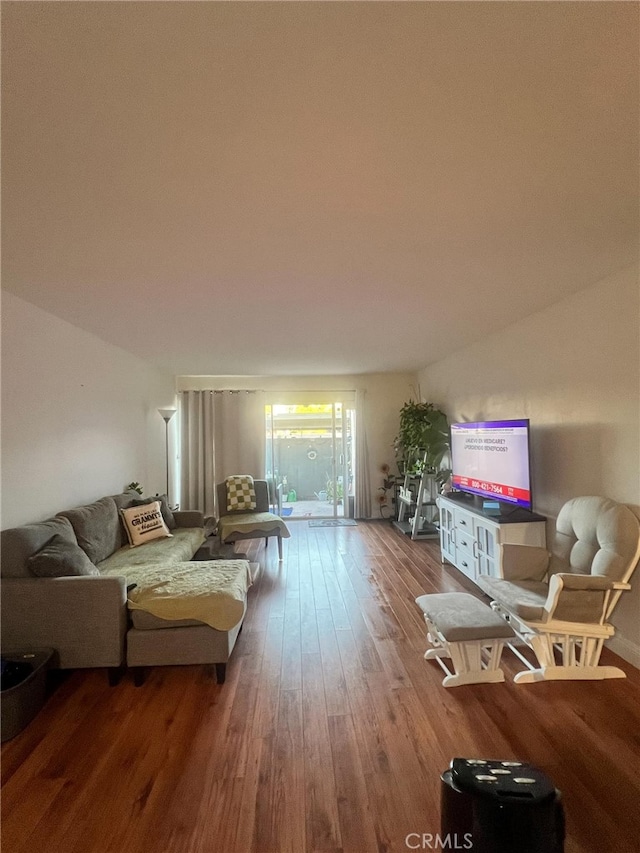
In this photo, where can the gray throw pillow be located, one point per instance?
(60, 558)
(165, 509)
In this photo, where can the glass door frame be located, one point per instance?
(340, 475)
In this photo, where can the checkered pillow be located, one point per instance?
(240, 493)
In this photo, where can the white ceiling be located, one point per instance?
(307, 188)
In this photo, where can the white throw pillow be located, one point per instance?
(144, 523)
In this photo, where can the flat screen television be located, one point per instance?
(491, 459)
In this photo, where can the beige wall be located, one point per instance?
(574, 371)
(384, 394)
(79, 416)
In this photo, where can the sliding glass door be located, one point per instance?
(310, 458)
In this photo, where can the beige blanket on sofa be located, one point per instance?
(213, 592)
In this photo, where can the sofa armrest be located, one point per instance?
(189, 518)
(524, 562)
(84, 619)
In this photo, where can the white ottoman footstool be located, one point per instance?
(470, 633)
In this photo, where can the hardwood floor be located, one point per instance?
(330, 733)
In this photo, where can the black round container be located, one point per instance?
(495, 806)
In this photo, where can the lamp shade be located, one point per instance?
(166, 414)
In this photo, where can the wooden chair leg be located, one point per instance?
(221, 672)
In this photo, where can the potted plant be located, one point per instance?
(334, 490)
(388, 482)
(423, 440)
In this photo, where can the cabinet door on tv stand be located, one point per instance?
(486, 537)
(447, 533)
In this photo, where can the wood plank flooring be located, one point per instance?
(329, 735)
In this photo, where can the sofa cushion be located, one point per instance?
(144, 523)
(212, 592)
(182, 546)
(17, 544)
(460, 617)
(524, 598)
(60, 558)
(96, 527)
(165, 509)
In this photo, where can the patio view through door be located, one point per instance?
(309, 458)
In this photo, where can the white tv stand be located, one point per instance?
(470, 535)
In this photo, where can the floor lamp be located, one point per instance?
(166, 415)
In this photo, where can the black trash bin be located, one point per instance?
(24, 684)
(501, 807)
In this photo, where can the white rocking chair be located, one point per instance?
(562, 601)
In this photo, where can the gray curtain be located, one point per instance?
(362, 501)
(221, 433)
(197, 451)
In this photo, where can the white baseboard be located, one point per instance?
(628, 651)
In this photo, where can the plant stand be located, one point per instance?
(418, 495)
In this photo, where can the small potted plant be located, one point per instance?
(134, 487)
(388, 482)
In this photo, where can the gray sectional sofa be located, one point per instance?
(85, 616)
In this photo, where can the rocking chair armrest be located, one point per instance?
(572, 580)
(524, 562)
(578, 598)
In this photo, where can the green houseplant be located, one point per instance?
(423, 439)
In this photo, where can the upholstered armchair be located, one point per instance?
(235, 525)
(560, 602)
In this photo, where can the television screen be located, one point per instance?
(491, 459)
